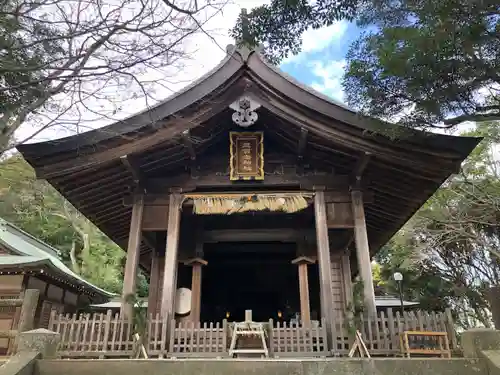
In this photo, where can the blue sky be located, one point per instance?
(322, 62)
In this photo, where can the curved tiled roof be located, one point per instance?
(31, 251)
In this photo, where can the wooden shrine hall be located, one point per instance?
(251, 190)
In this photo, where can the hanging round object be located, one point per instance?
(183, 301)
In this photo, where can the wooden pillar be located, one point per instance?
(133, 252)
(363, 251)
(154, 280)
(347, 279)
(171, 250)
(324, 262)
(197, 264)
(305, 308)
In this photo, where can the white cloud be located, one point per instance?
(314, 40)
(329, 77)
(205, 50)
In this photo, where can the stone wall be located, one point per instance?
(273, 367)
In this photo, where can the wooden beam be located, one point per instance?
(305, 307)
(301, 149)
(197, 265)
(187, 142)
(148, 240)
(363, 251)
(213, 179)
(258, 235)
(134, 170)
(171, 253)
(360, 167)
(133, 249)
(153, 199)
(324, 262)
(154, 283)
(347, 279)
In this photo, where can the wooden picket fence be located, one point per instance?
(295, 340)
(105, 335)
(190, 339)
(86, 335)
(382, 334)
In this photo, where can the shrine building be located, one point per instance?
(251, 190)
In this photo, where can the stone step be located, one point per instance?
(456, 366)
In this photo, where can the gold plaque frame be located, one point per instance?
(246, 156)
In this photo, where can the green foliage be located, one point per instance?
(28, 44)
(36, 207)
(139, 322)
(280, 24)
(355, 308)
(449, 252)
(422, 63)
(139, 317)
(427, 63)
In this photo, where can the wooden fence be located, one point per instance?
(105, 335)
(199, 340)
(294, 340)
(382, 334)
(87, 335)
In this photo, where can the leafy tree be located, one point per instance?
(280, 24)
(429, 64)
(449, 252)
(421, 63)
(36, 207)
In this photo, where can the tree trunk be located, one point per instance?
(74, 260)
(494, 299)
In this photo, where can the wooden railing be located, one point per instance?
(199, 340)
(105, 335)
(89, 335)
(382, 334)
(294, 340)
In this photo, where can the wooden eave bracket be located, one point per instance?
(187, 142)
(135, 171)
(197, 260)
(149, 242)
(301, 147)
(303, 260)
(360, 167)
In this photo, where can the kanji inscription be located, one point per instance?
(247, 156)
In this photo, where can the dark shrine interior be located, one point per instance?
(258, 276)
(255, 276)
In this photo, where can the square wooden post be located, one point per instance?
(133, 253)
(305, 308)
(197, 264)
(154, 286)
(324, 262)
(346, 278)
(171, 251)
(363, 251)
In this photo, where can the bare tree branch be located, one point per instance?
(66, 59)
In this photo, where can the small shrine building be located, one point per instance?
(28, 263)
(251, 190)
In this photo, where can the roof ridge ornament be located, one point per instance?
(245, 114)
(246, 43)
